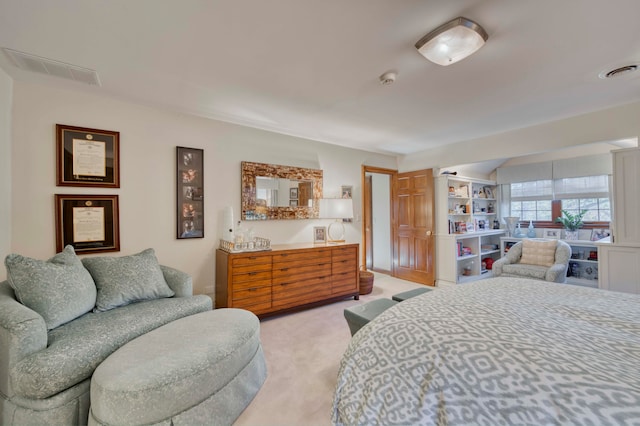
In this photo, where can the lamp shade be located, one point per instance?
(452, 42)
(336, 208)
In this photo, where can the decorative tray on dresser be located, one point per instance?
(287, 277)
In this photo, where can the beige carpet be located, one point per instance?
(303, 352)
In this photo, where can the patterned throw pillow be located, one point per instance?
(124, 280)
(540, 252)
(59, 289)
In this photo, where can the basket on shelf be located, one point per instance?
(366, 281)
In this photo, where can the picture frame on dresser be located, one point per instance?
(190, 192)
(89, 223)
(552, 234)
(87, 157)
(319, 234)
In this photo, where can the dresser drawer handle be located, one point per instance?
(253, 273)
(253, 257)
(283, 284)
(284, 269)
(253, 289)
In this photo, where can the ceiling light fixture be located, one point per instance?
(452, 42)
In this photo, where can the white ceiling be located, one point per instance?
(310, 68)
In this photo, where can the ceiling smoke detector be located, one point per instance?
(619, 72)
(388, 78)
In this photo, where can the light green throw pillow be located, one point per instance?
(127, 279)
(59, 289)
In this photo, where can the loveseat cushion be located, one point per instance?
(538, 252)
(127, 279)
(75, 349)
(59, 289)
(525, 270)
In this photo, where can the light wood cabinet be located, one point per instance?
(287, 277)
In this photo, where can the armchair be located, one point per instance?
(539, 259)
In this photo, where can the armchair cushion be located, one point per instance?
(127, 279)
(541, 253)
(59, 289)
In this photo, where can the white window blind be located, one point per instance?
(582, 187)
(534, 190)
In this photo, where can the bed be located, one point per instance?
(501, 351)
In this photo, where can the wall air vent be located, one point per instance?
(42, 65)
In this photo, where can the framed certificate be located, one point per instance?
(87, 157)
(87, 222)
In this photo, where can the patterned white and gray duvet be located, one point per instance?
(501, 351)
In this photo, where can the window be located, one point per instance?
(532, 210)
(598, 209)
(542, 200)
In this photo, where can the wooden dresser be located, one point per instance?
(288, 277)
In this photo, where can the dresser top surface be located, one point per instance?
(275, 248)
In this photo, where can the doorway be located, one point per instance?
(378, 223)
(397, 226)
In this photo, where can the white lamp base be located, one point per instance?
(335, 233)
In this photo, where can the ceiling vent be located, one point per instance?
(42, 65)
(620, 71)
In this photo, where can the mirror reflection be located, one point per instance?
(280, 192)
(272, 191)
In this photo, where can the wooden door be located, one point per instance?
(414, 252)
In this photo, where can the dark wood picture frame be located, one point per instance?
(190, 192)
(89, 223)
(87, 157)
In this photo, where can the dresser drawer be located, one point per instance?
(250, 260)
(314, 270)
(324, 253)
(300, 293)
(253, 294)
(345, 265)
(243, 285)
(343, 252)
(251, 268)
(344, 282)
(257, 308)
(250, 277)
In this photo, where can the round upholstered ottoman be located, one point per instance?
(201, 369)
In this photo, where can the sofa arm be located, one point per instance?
(557, 273)
(22, 332)
(180, 282)
(497, 266)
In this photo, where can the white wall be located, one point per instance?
(381, 212)
(148, 140)
(607, 125)
(6, 95)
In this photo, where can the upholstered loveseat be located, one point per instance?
(535, 258)
(59, 319)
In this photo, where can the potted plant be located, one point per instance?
(571, 223)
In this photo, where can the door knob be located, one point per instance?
(428, 233)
